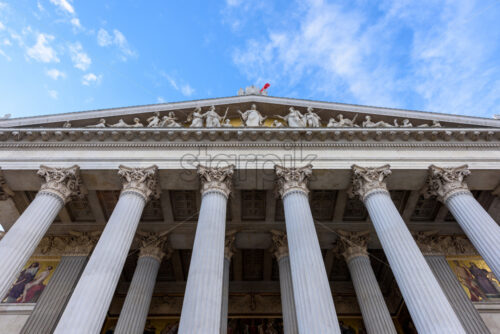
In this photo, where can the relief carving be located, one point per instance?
(292, 179)
(216, 178)
(445, 182)
(64, 183)
(367, 180)
(280, 244)
(143, 181)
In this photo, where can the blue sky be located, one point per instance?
(70, 55)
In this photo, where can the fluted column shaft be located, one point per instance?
(465, 310)
(376, 316)
(313, 297)
(225, 296)
(201, 308)
(90, 301)
(287, 299)
(429, 308)
(51, 303)
(480, 228)
(135, 310)
(19, 243)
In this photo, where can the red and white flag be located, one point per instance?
(266, 86)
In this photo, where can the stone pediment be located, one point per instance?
(273, 109)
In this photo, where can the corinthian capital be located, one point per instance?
(445, 182)
(61, 182)
(216, 179)
(367, 180)
(142, 181)
(280, 244)
(292, 179)
(353, 244)
(229, 244)
(152, 244)
(5, 191)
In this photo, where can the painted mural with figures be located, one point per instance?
(237, 326)
(476, 278)
(32, 280)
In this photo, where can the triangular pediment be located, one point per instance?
(268, 106)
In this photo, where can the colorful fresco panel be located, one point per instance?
(32, 280)
(476, 278)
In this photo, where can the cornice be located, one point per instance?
(216, 136)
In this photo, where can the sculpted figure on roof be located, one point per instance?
(170, 121)
(214, 120)
(154, 121)
(294, 118)
(312, 119)
(435, 124)
(101, 124)
(121, 124)
(252, 117)
(368, 123)
(342, 122)
(196, 118)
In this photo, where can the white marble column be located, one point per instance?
(467, 313)
(202, 305)
(484, 233)
(86, 310)
(376, 315)
(74, 251)
(16, 247)
(134, 312)
(228, 254)
(286, 286)
(429, 308)
(311, 289)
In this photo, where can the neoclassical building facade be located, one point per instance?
(250, 214)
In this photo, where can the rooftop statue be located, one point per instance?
(252, 117)
(169, 121)
(66, 124)
(213, 118)
(276, 124)
(196, 118)
(101, 124)
(342, 122)
(227, 123)
(121, 124)
(435, 124)
(154, 121)
(368, 123)
(137, 123)
(294, 118)
(251, 90)
(312, 119)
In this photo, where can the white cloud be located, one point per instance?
(2, 26)
(64, 5)
(160, 99)
(122, 44)
(187, 90)
(39, 6)
(104, 38)
(424, 55)
(184, 88)
(42, 51)
(53, 94)
(6, 42)
(2, 53)
(55, 74)
(80, 59)
(90, 78)
(76, 23)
